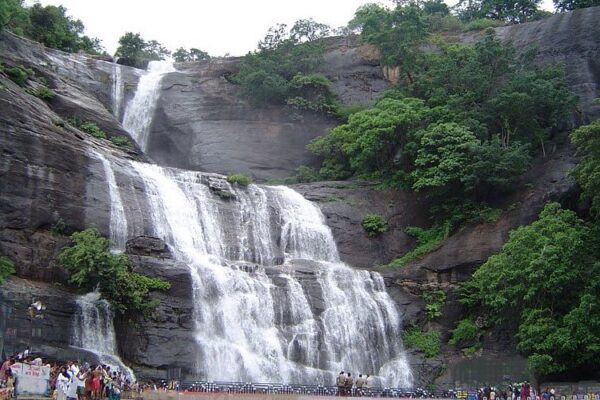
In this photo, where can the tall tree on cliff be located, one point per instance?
(397, 33)
(136, 52)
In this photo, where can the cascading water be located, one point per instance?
(117, 90)
(249, 328)
(118, 221)
(140, 110)
(93, 331)
(272, 300)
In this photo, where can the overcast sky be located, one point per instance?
(215, 26)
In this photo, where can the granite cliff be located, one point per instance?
(51, 184)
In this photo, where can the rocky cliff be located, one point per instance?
(51, 183)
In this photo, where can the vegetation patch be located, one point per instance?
(43, 93)
(464, 333)
(92, 129)
(434, 302)
(239, 179)
(374, 224)
(91, 265)
(427, 342)
(7, 268)
(427, 241)
(121, 141)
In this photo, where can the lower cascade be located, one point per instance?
(272, 300)
(93, 331)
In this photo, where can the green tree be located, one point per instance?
(91, 264)
(397, 33)
(515, 12)
(587, 171)
(14, 16)
(567, 5)
(282, 70)
(136, 52)
(52, 26)
(545, 282)
(444, 158)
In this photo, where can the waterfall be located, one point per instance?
(93, 331)
(117, 90)
(118, 221)
(140, 110)
(259, 324)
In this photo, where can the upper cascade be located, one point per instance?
(140, 110)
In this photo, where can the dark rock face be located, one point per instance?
(163, 339)
(48, 335)
(201, 123)
(148, 246)
(345, 204)
(570, 39)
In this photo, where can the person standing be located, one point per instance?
(341, 383)
(370, 382)
(349, 384)
(62, 384)
(360, 383)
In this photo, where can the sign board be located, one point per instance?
(31, 379)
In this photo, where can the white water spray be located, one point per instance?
(93, 331)
(140, 110)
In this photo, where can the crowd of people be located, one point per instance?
(346, 383)
(522, 391)
(71, 380)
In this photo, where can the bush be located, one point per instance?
(43, 93)
(239, 179)
(427, 240)
(465, 332)
(93, 129)
(427, 342)
(374, 225)
(91, 264)
(306, 174)
(481, 24)
(121, 141)
(434, 301)
(19, 75)
(7, 268)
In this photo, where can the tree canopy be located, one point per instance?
(49, 25)
(136, 52)
(91, 265)
(545, 283)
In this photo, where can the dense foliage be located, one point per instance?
(374, 224)
(460, 127)
(567, 5)
(193, 54)
(49, 25)
(91, 265)
(427, 342)
(464, 333)
(546, 283)
(282, 70)
(136, 52)
(587, 172)
(7, 268)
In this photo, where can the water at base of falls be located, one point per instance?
(93, 331)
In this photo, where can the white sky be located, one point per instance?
(215, 26)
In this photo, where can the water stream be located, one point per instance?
(93, 331)
(272, 300)
(140, 110)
